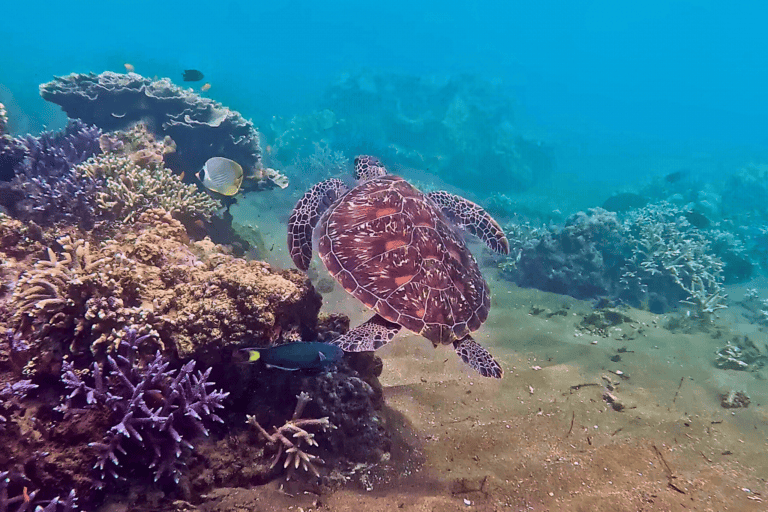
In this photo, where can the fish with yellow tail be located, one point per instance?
(300, 355)
(222, 175)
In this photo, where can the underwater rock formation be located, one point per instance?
(583, 259)
(11, 150)
(201, 127)
(341, 394)
(44, 188)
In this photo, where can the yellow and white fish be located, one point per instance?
(222, 175)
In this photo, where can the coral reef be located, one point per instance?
(666, 246)
(44, 188)
(349, 398)
(3, 120)
(11, 150)
(192, 297)
(295, 428)
(460, 127)
(73, 302)
(583, 259)
(134, 179)
(201, 127)
(653, 258)
(155, 411)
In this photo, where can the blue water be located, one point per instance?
(685, 72)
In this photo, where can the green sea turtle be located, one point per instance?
(398, 251)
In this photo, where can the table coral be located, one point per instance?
(201, 127)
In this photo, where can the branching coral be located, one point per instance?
(295, 428)
(44, 188)
(135, 180)
(27, 499)
(156, 411)
(195, 301)
(653, 258)
(666, 245)
(741, 353)
(10, 395)
(76, 299)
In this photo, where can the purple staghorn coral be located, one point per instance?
(44, 188)
(10, 395)
(156, 410)
(24, 501)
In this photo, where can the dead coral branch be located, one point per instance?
(294, 428)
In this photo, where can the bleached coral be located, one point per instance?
(666, 244)
(291, 435)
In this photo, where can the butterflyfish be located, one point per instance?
(222, 175)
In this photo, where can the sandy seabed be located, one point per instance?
(544, 437)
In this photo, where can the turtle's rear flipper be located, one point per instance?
(472, 353)
(473, 218)
(304, 218)
(369, 336)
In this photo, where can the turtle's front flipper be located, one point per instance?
(476, 356)
(473, 218)
(369, 336)
(304, 218)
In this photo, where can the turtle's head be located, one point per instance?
(368, 167)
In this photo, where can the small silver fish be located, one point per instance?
(222, 175)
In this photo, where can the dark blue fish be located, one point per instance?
(302, 355)
(192, 75)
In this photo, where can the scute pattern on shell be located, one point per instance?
(394, 250)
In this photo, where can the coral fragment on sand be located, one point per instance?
(291, 435)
